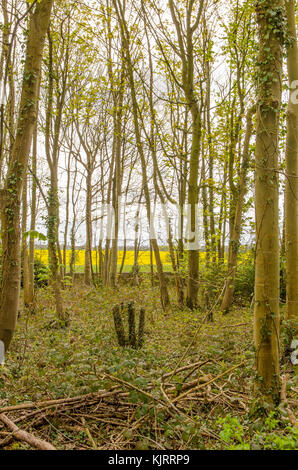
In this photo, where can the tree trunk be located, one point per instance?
(266, 314)
(165, 301)
(33, 221)
(236, 231)
(193, 254)
(88, 248)
(291, 191)
(186, 51)
(52, 147)
(25, 259)
(118, 104)
(52, 224)
(66, 215)
(10, 286)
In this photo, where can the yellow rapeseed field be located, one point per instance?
(143, 260)
(144, 257)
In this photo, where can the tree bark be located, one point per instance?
(25, 258)
(236, 230)
(266, 312)
(32, 221)
(10, 286)
(165, 301)
(291, 190)
(88, 248)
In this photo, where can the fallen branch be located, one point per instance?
(25, 436)
(89, 435)
(234, 326)
(207, 383)
(61, 401)
(189, 366)
(134, 387)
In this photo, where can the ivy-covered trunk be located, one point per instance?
(270, 18)
(25, 259)
(31, 293)
(193, 254)
(11, 240)
(52, 225)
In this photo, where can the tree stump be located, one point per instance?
(133, 339)
(119, 326)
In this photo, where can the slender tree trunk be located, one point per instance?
(193, 254)
(72, 259)
(178, 280)
(185, 39)
(182, 194)
(32, 222)
(205, 210)
(236, 231)
(107, 257)
(52, 246)
(136, 267)
(66, 216)
(123, 257)
(222, 215)
(117, 181)
(165, 301)
(211, 165)
(52, 154)
(291, 191)
(25, 259)
(266, 314)
(88, 248)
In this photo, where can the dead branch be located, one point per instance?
(25, 436)
(207, 383)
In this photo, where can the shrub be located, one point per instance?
(41, 273)
(245, 277)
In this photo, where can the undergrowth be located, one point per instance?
(48, 363)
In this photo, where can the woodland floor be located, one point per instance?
(151, 409)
